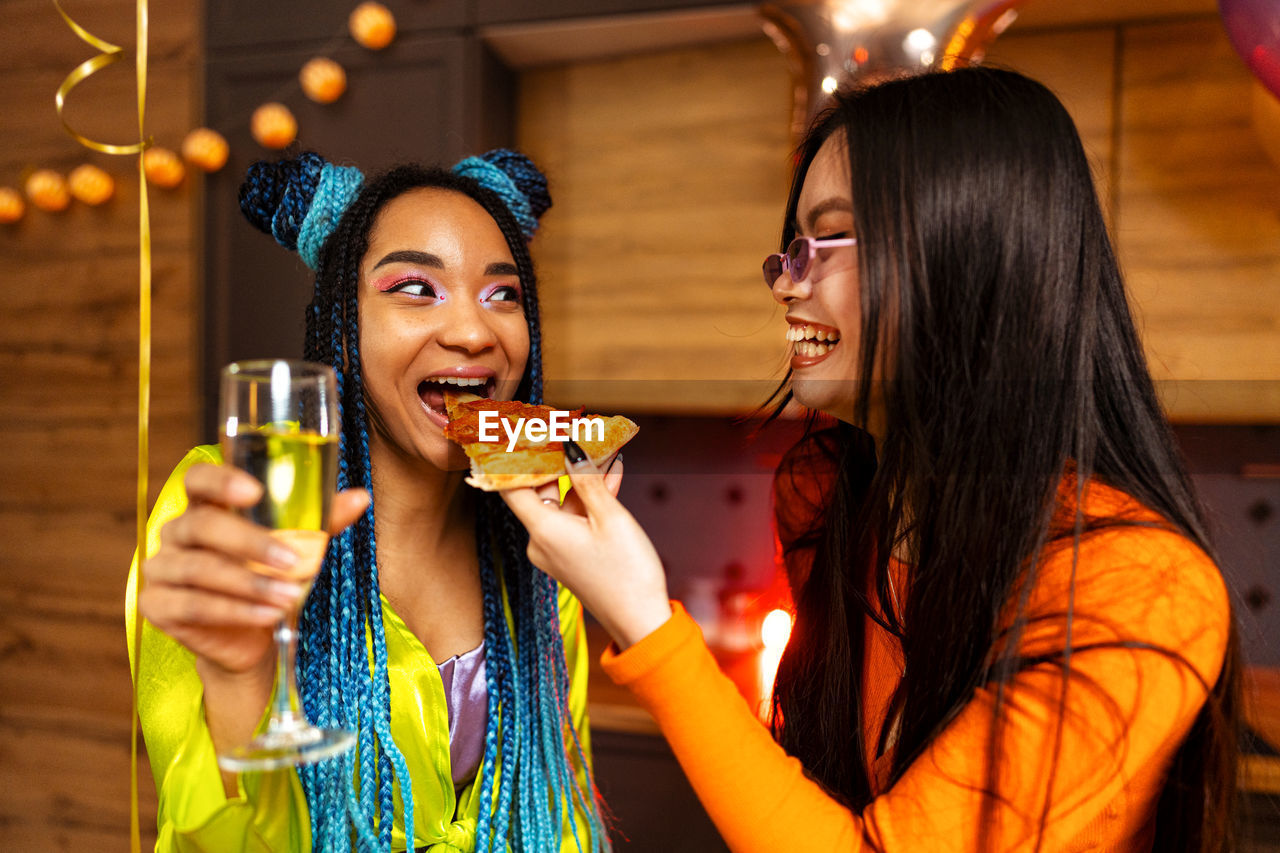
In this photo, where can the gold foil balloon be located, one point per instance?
(833, 44)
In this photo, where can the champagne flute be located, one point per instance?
(280, 423)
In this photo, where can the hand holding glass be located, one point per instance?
(280, 423)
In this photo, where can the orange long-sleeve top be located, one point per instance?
(1126, 712)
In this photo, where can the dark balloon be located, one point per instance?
(1254, 29)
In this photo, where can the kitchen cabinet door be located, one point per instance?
(1167, 113)
(652, 803)
(669, 173)
(425, 99)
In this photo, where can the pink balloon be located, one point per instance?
(833, 43)
(1254, 29)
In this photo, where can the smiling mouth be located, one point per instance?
(811, 341)
(431, 390)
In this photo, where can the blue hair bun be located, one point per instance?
(299, 201)
(516, 179)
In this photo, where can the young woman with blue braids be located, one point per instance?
(423, 279)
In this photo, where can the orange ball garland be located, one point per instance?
(323, 80)
(163, 167)
(205, 149)
(372, 25)
(273, 126)
(91, 185)
(11, 205)
(48, 190)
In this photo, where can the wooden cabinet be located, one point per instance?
(670, 172)
(437, 93)
(431, 97)
(644, 789)
(1165, 110)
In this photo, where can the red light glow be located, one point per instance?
(775, 630)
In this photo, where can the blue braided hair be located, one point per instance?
(520, 184)
(529, 789)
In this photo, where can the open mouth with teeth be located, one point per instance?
(811, 341)
(431, 390)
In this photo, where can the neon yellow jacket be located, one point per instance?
(270, 812)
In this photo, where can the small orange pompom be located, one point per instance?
(163, 167)
(323, 80)
(11, 205)
(91, 185)
(48, 190)
(205, 149)
(372, 25)
(273, 125)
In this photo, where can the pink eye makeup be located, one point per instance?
(500, 292)
(421, 277)
(411, 285)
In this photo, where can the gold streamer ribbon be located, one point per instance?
(110, 54)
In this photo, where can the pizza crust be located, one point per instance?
(530, 464)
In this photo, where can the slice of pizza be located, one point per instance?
(515, 445)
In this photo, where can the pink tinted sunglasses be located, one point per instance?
(798, 258)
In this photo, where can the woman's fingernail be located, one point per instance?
(281, 556)
(286, 593)
(265, 614)
(614, 461)
(574, 453)
(243, 489)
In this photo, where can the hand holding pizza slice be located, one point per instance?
(515, 460)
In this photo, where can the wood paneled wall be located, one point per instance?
(68, 403)
(669, 185)
(1199, 230)
(1166, 110)
(668, 172)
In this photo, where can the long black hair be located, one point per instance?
(998, 349)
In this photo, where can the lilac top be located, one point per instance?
(467, 698)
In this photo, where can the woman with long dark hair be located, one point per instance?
(1010, 631)
(458, 665)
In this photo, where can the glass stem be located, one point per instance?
(284, 710)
